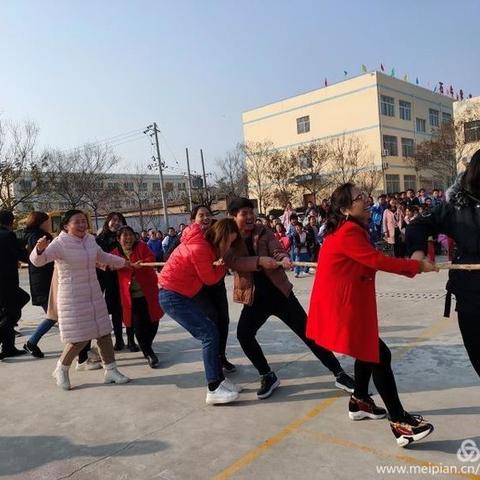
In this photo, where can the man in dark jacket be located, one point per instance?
(12, 297)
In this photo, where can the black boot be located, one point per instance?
(131, 345)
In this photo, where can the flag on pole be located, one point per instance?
(440, 87)
(405, 77)
(392, 73)
(381, 67)
(461, 94)
(416, 81)
(451, 91)
(345, 73)
(435, 89)
(364, 68)
(326, 83)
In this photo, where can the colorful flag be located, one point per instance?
(416, 81)
(326, 83)
(364, 68)
(381, 67)
(392, 73)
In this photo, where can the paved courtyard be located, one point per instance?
(158, 426)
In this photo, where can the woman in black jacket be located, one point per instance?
(108, 279)
(459, 219)
(37, 226)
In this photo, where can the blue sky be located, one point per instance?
(91, 70)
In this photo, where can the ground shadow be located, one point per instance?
(21, 453)
(446, 446)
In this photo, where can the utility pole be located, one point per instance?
(153, 128)
(204, 176)
(189, 183)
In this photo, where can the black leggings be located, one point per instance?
(382, 378)
(145, 329)
(469, 324)
(290, 312)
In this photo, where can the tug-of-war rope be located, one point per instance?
(440, 266)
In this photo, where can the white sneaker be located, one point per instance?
(61, 376)
(233, 387)
(112, 375)
(221, 395)
(87, 365)
(93, 355)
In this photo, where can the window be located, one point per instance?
(410, 181)
(433, 115)
(388, 106)
(143, 186)
(421, 125)
(393, 183)
(25, 185)
(303, 124)
(407, 147)
(128, 186)
(446, 117)
(471, 131)
(390, 146)
(405, 110)
(156, 186)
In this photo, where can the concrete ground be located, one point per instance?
(158, 426)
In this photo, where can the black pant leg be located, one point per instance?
(469, 324)
(83, 355)
(251, 319)
(291, 312)
(363, 374)
(141, 324)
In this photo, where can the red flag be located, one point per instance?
(381, 67)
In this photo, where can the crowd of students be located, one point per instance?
(99, 283)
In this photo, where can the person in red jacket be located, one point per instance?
(139, 292)
(197, 261)
(343, 311)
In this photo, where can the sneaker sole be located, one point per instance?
(123, 382)
(343, 387)
(270, 391)
(222, 401)
(403, 441)
(360, 415)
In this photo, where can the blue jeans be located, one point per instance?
(302, 257)
(187, 313)
(42, 328)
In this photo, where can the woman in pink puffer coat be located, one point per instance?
(82, 311)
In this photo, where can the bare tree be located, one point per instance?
(233, 173)
(79, 178)
(257, 156)
(22, 169)
(369, 178)
(348, 158)
(312, 161)
(280, 170)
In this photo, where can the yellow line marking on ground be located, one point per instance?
(274, 440)
(327, 438)
(293, 426)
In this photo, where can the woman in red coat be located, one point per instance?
(139, 292)
(343, 311)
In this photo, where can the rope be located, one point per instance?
(440, 266)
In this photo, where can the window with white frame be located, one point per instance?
(421, 125)
(410, 182)
(303, 124)
(393, 183)
(405, 110)
(387, 106)
(408, 147)
(446, 117)
(390, 146)
(471, 131)
(434, 116)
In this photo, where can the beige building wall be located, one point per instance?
(468, 109)
(352, 107)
